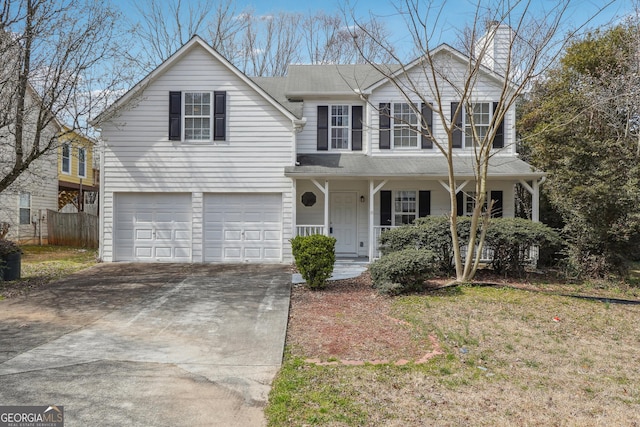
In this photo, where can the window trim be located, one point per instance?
(348, 128)
(66, 145)
(184, 116)
(470, 199)
(82, 160)
(21, 208)
(413, 109)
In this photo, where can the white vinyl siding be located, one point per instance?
(259, 144)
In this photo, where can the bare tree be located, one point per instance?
(269, 44)
(59, 65)
(329, 40)
(164, 26)
(530, 41)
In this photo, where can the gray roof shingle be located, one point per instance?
(360, 165)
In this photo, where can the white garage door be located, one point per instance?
(152, 227)
(243, 228)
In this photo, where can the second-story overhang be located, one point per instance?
(350, 165)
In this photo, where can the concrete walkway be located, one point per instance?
(342, 269)
(142, 345)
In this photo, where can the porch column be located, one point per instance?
(325, 190)
(326, 208)
(535, 202)
(372, 237)
(294, 210)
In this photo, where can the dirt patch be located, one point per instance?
(351, 321)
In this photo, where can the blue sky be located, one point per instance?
(456, 13)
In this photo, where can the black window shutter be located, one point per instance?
(385, 126)
(356, 128)
(427, 116)
(460, 202)
(219, 116)
(457, 120)
(175, 116)
(424, 200)
(385, 208)
(496, 212)
(498, 141)
(323, 128)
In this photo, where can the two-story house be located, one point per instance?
(24, 204)
(77, 176)
(201, 163)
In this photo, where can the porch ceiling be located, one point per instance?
(360, 165)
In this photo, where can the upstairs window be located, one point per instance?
(82, 162)
(480, 121)
(66, 158)
(405, 126)
(339, 127)
(197, 116)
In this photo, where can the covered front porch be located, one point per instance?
(356, 212)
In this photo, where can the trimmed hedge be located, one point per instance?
(403, 271)
(315, 257)
(510, 238)
(431, 233)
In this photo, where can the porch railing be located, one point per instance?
(308, 230)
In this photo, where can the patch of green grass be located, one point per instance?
(55, 261)
(306, 394)
(43, 264)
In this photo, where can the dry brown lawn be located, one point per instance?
(510, 356)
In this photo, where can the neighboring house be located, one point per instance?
(24, 204)
(77, 177)
(204, 164)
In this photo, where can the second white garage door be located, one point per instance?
(243, 228)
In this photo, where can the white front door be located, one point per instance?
(343, 222)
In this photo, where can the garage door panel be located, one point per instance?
(239, 227)
(153, 227)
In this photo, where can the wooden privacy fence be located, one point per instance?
(72, 229)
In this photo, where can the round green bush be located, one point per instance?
(315, 257)
(403, 271)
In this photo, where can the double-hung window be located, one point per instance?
(82, 162)
(479, 119)
(340, 127)
(405, 126)
(25, 208)
(197, 116)
(66, 158)
(405, 207)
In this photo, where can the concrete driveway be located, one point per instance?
(148, 344)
